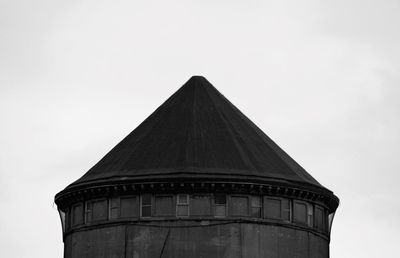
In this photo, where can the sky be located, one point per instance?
(321, 78)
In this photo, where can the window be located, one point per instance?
(182, 205)
(319, 218)
(272, 208)
(146, 205)
(114, 208)
(277, 208)
(239, 206)
(67, 218)
(200, 205)
(310, 215)
(256, 206)
(88, 212)
(220, 205)
(300, 212)
(164, 205)
(130, 207)
(96, 210)
(100, 211)
(77, 214)
(286, 209)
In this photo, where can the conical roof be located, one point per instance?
(197, 134)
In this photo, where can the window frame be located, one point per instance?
(295, 212)
(137, 213)
(215, 205)
(282, 209)
(68, 218)
(179, 204)
(323, 219)
(146, 205)
(251, 206)
(111, 208)
(72, 216)
(231, 205)
(91, 210)
(208, 197)
(173, 204)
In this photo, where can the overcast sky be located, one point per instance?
(321, 78)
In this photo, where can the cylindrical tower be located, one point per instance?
(196, 179)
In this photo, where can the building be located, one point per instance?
(196, 179)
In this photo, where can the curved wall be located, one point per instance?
(183, 239)
(196, 225)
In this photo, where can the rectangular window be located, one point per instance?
(300, 212)
(286, 209)
(220, 205)
(88, 212)
(130, 207)
(114, 208)
(319, 218)
(200, 205)
(256, 206)
(67, 218)
(310, 215)
(146, 205)
(164, 205)
(77, 214)
(100, 210)
(182, 205)
(239, 206)
(272, 208)
(277, 208)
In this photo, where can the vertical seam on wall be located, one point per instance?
(241, 240)
(126, 239)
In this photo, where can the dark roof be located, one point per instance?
(197, 133)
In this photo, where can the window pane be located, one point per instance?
(220, 199)
(272, 208)
(182, 198)
(256, 201)
(256, 212)
(146, 211)
(256, 206)
(68, 219)
(114, 213)
(114, 202)
(200, 205)
(285, 209)
(146, 199)
(220, 210)
(129, 207)
(310, 215)
(100, 210)
(182, 210)
(239, 206)
(88, 211)
(300, 212)
(114, 208)
(77, 215)
(164, 206)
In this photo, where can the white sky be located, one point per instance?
(321, 78)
